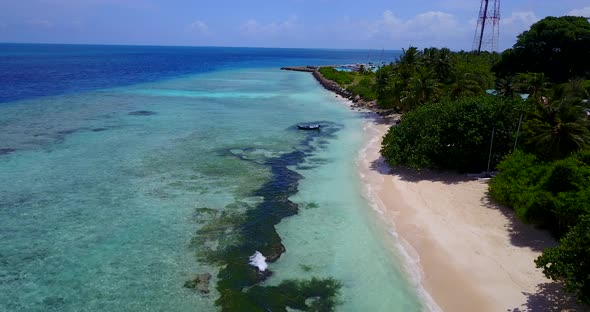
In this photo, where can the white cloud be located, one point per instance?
(580, 12)
(520, 19)
(433, 28)
(514, 25)
(199, 27)
(253, 27)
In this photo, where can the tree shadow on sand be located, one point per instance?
(550, 297)
(521, 234)
(413, 175)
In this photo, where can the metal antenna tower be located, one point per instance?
(487, 31)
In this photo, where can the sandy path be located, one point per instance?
(473, 255)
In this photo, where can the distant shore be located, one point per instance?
(332, 86)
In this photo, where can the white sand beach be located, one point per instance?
(473, 254)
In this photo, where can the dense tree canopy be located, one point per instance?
(549, 185)
(556, 128)
(559, 47)
(553, 195)
(454, 134)
(431, 75)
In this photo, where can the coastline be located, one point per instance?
(462, 251)
(471, 254)
(357, 101)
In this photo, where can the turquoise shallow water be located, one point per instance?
(102, 200)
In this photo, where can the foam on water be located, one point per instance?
(259, 261)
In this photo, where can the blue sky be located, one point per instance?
(266, 23)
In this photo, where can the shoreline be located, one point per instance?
(469, 254)
(462, 251)
(332, 86)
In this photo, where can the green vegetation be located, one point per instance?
(556, 128)
(360, 83)
(365, 88)
(432, 75)
(541, 145)
(420, 77)
(569, 262)
(453, 134)
(340, 77)
(552, 194)
(548, 183)
(559, 47)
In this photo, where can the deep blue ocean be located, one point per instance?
(32, 70)
(126, 172)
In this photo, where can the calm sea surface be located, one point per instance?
(127, 171)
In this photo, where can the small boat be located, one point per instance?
(308, 127)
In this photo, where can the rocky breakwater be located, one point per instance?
(331, 85)
(307, 69)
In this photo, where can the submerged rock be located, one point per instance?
(6, 151)
(68, 131)
(142, 113)
(275, 252)
(261, 276)
(99, 129)
(200, 282)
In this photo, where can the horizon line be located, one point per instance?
(199, 46)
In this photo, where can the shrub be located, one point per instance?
(570, 262)
(453, 134)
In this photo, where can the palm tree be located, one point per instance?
(409, 61)
(440, 61)
(384, 80)
(467, 84)
(419, 89)
(575, 89)
(382, 77)
(535, 84)
(558, 128)
(425, 86)
(506, 87)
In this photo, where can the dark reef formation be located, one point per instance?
(6, 151)
(200, 283)
(142, 113)
(254, 230)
